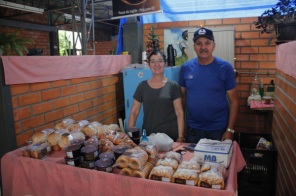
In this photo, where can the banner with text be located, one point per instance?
(126, 8)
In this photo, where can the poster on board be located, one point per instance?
(125, 8)
(178, 38)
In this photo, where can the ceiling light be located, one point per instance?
(21, 7)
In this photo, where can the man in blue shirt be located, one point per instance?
(209, 93)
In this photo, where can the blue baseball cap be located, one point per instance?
(203, 32)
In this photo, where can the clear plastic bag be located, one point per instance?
(162, 141)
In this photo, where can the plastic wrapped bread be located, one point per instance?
(190, 165)
(166, 161)
(126, 172)
(54, 138)
(114, 127)
(150, 148)
(78, 126)
(162, 173)
(90, 130)
(211, 179)
(65, 124)
(40, 151)
(144, 172)
(133, 158)
(68, 138)
(41, 137)
(186, 176)
(174, 155)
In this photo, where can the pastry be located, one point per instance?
(126, 172)
(54, 138)
(41, 137)
(64, 124)
(168, 162)
(78, 126)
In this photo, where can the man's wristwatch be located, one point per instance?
(230, 130)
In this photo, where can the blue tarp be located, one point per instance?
(186, 10)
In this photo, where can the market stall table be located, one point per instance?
(51, 176)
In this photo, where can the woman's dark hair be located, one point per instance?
(156, 52)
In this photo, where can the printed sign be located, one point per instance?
(125, 8)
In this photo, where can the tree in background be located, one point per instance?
(153, 43)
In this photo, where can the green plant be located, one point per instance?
(13, 43)
(282, 13)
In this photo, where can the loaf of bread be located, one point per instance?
(41, 137)
(65, 124)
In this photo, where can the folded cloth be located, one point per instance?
(253, 97)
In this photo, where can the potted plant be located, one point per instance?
(13, 43)
(279, 19)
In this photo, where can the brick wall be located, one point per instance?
(41, 105)
(284, 129)
(253, 53)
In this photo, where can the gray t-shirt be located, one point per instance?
(159, 112)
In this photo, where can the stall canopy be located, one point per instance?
(185, 10)
(178, 10)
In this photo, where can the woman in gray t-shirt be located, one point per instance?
(162, 103)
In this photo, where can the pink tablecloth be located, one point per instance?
(260, 105)
(31, 69)
(28, 176)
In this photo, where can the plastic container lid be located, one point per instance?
(108, 154)
(104, 162)
(89, 149)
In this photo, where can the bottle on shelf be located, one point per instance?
(270, 89)
(261, 89)
(255, 86)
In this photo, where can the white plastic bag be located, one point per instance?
(162, 141)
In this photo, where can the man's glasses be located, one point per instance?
(157, 61)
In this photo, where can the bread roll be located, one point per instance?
(90, 130)
(54, 138)
(144, 172)
(78, 126)
(67, 138)
(41, 137)
(64, 124)
(126, 172)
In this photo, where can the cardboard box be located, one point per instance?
(216, 151)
